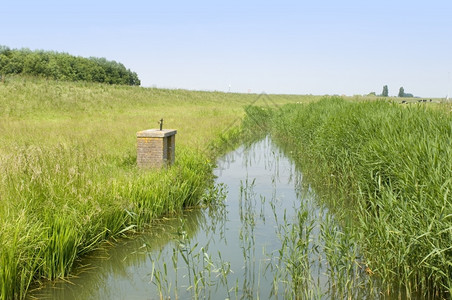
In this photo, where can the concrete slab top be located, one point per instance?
(156, 133)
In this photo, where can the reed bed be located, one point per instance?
(386, 170)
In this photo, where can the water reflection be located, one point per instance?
(267, 239)
(120, 270)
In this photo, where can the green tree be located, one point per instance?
(63, 66)
(385, 92)
(4, 61)
(401, 92)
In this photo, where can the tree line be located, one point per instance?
(63, 66)
(385, 92)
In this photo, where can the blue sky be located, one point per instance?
(293, 47)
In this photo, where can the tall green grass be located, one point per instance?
(387, 169)
(59, 209)
(68, 178)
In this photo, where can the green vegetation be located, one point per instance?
(304, 253)
(68, 178)
(403, 94)
(63, 66)
(385, 92)
(386, 172)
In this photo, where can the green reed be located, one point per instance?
(389, 168)
(63, 208)
(193, 269)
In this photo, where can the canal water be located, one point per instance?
(264, 238)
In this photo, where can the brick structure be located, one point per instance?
(156, 148)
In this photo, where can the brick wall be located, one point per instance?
(155, 152)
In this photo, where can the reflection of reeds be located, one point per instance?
(314, 257)
(193, 267)
(248, 214)
(97, 269)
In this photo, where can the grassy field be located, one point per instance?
(386, 171)
(68, 178)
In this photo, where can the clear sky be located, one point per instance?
(294, 47)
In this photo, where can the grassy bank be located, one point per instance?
(68, 178)
(387, 169)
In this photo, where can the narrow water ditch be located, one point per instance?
(267, 239)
